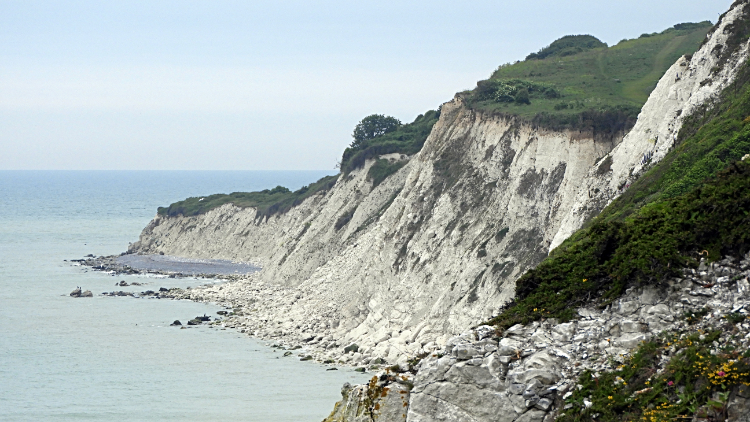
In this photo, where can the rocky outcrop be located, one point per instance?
(78, 293)
(527, 372)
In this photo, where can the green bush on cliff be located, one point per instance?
(406, 139)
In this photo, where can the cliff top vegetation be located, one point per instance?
(267, 202)
(579, 82)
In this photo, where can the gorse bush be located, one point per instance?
(697, 381)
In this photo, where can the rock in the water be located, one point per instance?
(87, 293)
(176, 322)
(195, 322)
(76, 292)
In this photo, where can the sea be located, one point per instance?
(118, 358)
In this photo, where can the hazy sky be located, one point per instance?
(262, 85)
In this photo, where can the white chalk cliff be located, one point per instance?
(436, 247)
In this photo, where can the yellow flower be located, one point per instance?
(609, 397)
(585, 280)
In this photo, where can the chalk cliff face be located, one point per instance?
(436, 247)
(687, 85)
(432, 250)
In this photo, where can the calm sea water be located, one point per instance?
(107, 359)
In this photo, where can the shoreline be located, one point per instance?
(253, 308)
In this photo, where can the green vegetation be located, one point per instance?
(406, 139)
(578, 82)
(597, 264)
(373, 126)
(568, 46)
(714, 136)
(382, 169)
(683, 205)
(267, 202)
(695, 382)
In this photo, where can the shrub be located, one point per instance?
(522, 97)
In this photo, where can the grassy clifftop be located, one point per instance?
(577, 78)
(267, 202)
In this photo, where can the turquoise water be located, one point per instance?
(107, 359)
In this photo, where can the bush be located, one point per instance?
(373, 126)
(522, 97)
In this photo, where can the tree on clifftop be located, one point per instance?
(373, 126)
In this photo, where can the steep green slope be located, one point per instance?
(696, 199)
(577, 75)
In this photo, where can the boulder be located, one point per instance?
(176, 322)
(87, 293)
(76, 292)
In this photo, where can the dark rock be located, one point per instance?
(287, 354)
(203, 318)
(122, 284)
(76, 292)
(176, 322)
(351, 348)
(163, 289)
(222, 312)
(332, 369)
(304, 358)
(362, 370)
(148, 293)
(87, 293)
(195, 322)
(308, 339)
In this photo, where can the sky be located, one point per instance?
(262, 85)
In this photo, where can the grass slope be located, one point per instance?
(574, 79)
